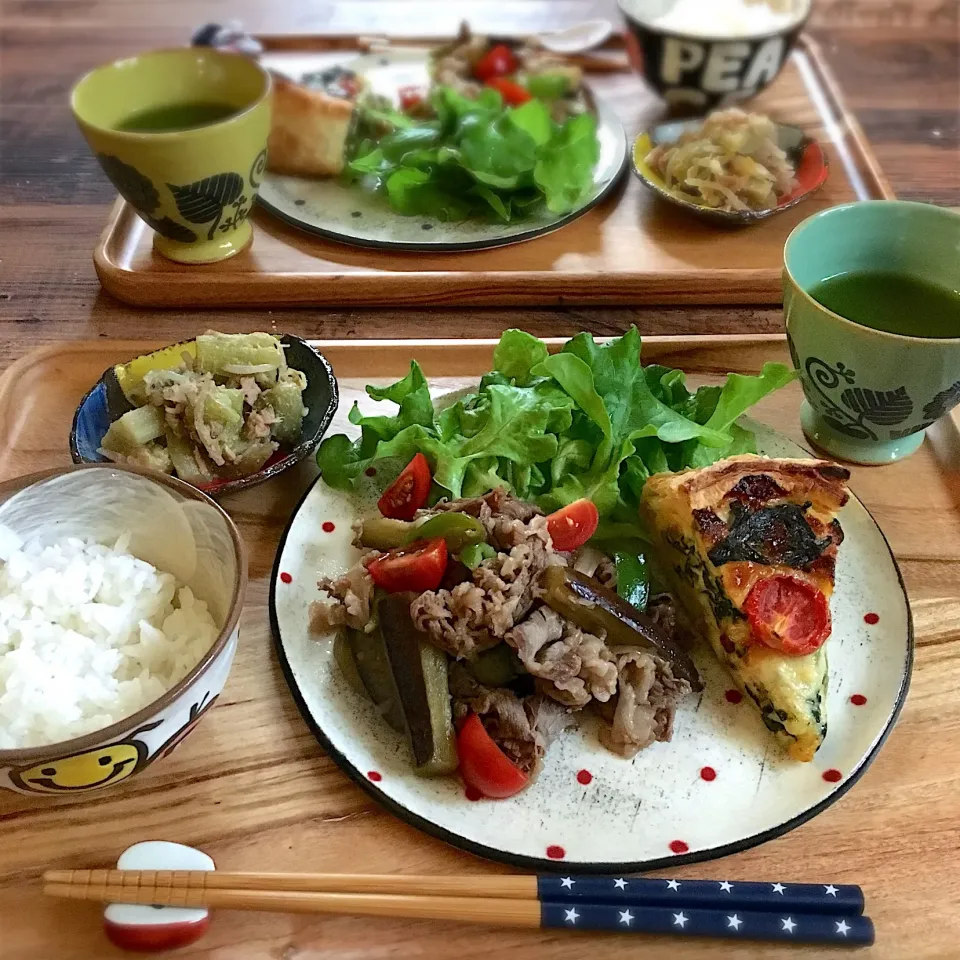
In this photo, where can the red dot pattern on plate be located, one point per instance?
(832, 776)
(556, 853)
(374, 776)
(708, 774)
(678, 846)
(858, 699)
(584, 777)
(328, 526)
(871, 618)
(472, 793)
(286, 578)
(733, 696)
(371, 471)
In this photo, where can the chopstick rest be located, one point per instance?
(142, 927)
(828, 898)
(727, 924)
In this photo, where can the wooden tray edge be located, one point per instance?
(859, 146)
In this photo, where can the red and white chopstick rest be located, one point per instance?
(146, 928)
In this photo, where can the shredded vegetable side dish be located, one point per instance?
(731, 163)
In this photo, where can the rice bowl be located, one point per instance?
(120, 594)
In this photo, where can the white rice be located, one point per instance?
(88, 635)
(727, 18)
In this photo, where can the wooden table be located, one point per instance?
(289, 807)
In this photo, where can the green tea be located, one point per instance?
(892, 302)
(176, 116)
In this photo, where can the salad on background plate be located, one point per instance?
(473, 144)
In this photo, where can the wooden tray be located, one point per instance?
(252, 788)
(631, 249)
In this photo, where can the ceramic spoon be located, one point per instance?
(807, 155)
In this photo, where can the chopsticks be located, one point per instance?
(802, 913)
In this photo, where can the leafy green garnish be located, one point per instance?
(480, 158)
(588, 421)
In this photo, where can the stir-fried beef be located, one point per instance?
(349, 599)
(542, 627)
(523, 729)
(500, 502)
(473, 616)
(606, 573)
(646, 700)
(455, 620)
(663, 611)
(501, 601)
(571, 666)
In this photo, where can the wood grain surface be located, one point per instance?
(630, 249)
(251, 787)
(897, 64)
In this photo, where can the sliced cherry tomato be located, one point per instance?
(409, 492)
(419, 567)
(483, 765)
(788, 614)
(498, 61)
(411, 97)
(573, 525)
(512, 92)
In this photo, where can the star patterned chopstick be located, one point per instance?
(728, 924)
(827, 898)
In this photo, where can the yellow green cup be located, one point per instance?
(196, 186)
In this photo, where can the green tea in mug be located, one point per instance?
(176, 116)
(892, 302)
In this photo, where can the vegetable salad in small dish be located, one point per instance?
(219, 410)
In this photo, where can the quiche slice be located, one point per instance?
(749, 546)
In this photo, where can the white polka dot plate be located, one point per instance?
(720, 786)
(354, 215)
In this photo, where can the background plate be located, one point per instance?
(357, 216)
(631, 815)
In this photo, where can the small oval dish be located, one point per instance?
(807, 155)
(106, 402)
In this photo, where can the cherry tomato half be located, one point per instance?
(409, 492)
(418, 567)
(512, 92)
(788, 614)
(410, 97)
(498, 61)
(573, 525)
(483, 765)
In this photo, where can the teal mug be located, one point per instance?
(871, 393)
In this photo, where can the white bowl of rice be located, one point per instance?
(120, 595)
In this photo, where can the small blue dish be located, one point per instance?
(105, 402)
